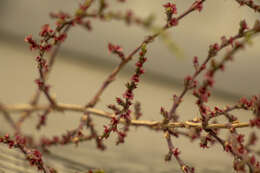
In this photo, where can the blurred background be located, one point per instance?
(84, 62)
(192, 37)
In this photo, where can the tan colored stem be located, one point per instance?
(151, 124)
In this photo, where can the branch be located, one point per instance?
(148, 40)
(250, 4)
(151, 124)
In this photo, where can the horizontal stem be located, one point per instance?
(151, 124)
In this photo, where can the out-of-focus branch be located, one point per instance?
(250, 3)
